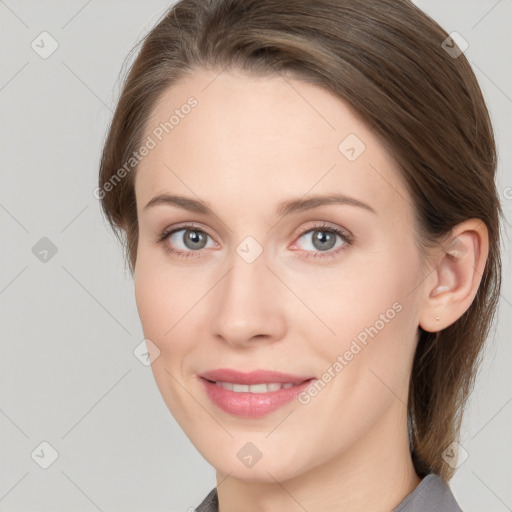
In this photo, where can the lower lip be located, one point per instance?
(251, 405)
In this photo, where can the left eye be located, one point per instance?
(323, 239)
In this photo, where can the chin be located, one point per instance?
(263, 468)
(260, 473)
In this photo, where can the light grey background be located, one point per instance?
(69, 325)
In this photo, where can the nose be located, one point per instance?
(249, 304)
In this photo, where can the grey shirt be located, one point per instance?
(431, 495)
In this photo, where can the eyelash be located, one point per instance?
(346, 238)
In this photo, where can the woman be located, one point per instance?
(248, 134)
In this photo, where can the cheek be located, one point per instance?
(349, 300)
(169, 300)
(371, 315)
(159, 303)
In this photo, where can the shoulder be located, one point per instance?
(432, 494)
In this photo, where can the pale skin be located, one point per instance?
(250, 144)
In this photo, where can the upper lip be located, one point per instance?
(253, 377)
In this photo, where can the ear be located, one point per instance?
(452, 286)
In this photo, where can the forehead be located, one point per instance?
(253, 139)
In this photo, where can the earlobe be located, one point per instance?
(457, 276)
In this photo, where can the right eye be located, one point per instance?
(188, 239)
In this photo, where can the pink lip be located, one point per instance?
(246, 404)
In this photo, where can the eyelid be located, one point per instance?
(168, 231)
(322, 224)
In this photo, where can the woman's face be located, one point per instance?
(259, 279)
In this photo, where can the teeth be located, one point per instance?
(256, 388)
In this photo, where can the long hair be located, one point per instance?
(397, 67)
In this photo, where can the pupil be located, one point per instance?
(321, 237)
(196, 239)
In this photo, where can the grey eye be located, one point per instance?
(192, 239)
(321, 239)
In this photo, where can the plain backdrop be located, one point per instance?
(73, 395)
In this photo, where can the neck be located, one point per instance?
(374, 474)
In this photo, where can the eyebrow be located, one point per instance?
(284, 208)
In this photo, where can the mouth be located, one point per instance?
(253, 399)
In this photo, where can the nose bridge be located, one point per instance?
(247, 303)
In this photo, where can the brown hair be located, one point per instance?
(387, 59)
